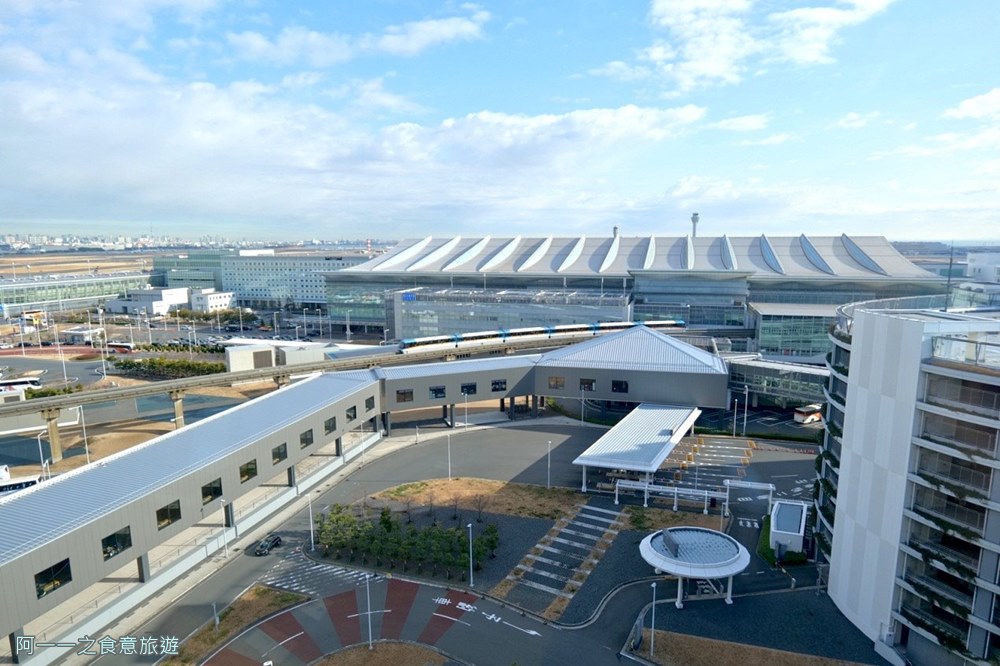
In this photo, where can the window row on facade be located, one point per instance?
(557, 383)
(439, 392)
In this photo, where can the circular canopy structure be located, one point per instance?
(694, 552)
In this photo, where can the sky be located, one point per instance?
(277, 119)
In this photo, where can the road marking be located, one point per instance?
(283, 642)
(453, 619)
(388, 610)
(530, 632)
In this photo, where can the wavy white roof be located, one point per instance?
(762, 256)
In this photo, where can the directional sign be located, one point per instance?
(530, 632)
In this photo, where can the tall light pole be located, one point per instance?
(275, 336)
(41, 456)
(348, 327)
(368, 596)
(312, 538)
(62, 358)
(746, 406)
(472, 582)
(652, 625)
(736, 413)
(548, 465)
(83, 425)
(449, 456)
(225, 537)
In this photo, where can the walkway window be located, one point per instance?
(248, 470)
(588, 384)
(437, 392)
(168, 515)
(329, 425)
(116, 542)
(404, 395)
(469, 389)
(211, 491)
(619, 386)
(52, 578)
(557, 383)
(498, 385)
(352, 413)
(369, 403)
(279, 453)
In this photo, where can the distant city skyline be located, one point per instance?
(312, 120)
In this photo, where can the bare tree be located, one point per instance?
(480, 501)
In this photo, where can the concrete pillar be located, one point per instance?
(374, 421)
(178, 397)
(142, 564)
(534, 406)
(52, 420)
(444, 413)
(339, 443)
(501, 405)
(228, 514)
(583, 486)
(14, 637)
(680, 593)
(291, 476)
(387, 423)
(451, 416)
(729, 591)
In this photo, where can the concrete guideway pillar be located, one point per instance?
(142, 563)
(51, 416)
(15, 638)
(177, 396)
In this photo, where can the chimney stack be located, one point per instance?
(694, 225)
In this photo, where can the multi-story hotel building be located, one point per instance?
(908, 494)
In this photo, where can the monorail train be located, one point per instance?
(566, 331)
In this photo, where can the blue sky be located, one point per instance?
(402, 118)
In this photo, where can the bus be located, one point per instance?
(20, 382)
(121, 347)
(809, 414)
(8, 486)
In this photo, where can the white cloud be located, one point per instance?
(373, 95)
(806, 34)
(855, 120)
(617, 69)
(716, 42)
(301, 79)
(773, 140)
(986, 105)
(743, 123)
(295, 44)
(415, 37)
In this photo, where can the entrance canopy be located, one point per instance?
(642, 440)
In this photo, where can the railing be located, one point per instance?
(940, 587)
(958, 435)
(969, 399)
(964, 516)
(956, 632)
(963, 349)
(946, 552)
(956, 475)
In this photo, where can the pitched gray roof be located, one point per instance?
(31, 517)
(642, 440)
(636, 348)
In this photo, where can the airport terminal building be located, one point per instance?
(769, 294)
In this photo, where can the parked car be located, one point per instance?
(266, 544)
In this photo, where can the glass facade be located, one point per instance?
(66, 292)
(791, 335)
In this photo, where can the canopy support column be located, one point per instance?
(680, 593)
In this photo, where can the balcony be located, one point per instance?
(950, 516)
(946, 596)
(960, 397)
(974, 440)
(978, 354)
(950, 634)
(960, 563)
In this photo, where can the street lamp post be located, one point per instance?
(225, 537)
(312, 537)
(83, 425)
(746, 406)
(736, 414)
(449, 456)
(275, 336)
(41, 456)
(652, 625)
(348, 326)
(297, 332)
(548, 465)
(368, 596)
(472, 582)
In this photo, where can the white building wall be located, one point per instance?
(983, 266)
(884, 373)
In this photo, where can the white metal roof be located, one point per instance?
(636, 348)
(618, 256)
(31, 517)
(694, 552)
(459, 367)
(796, 309)
(642, 440)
